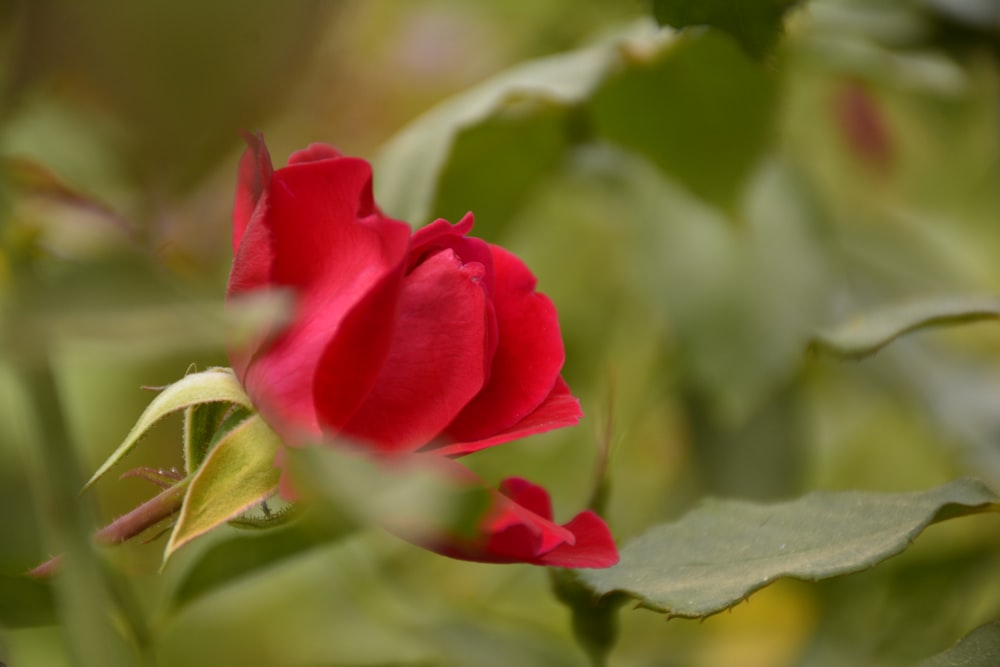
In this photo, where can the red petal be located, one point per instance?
(436, 361)
(350, 364)
(528, 495)
(560, 409)
(513, 533)
(344, 269)
(432, 234)
(516, 528)
(517, 531)
(594, 547)
(528, 357)
(442, 235)
(252, 256)
(253, 178)
(318, 226)
(314, 153)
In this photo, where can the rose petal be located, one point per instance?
(594, 546)
(528, 495)
(513, 533)
(253, 178)
(528, 358)
(252, 256)
(321, 209)
(432, 234)
(442, 235)
(560, 409)
(516, 531)
(436, 361)
(313, 153)
(314, 206)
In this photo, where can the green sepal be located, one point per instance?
(202, 423)
(237, 474)
(594, 618)
(215, 385)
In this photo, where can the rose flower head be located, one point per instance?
(427, 343)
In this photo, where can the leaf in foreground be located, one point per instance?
(245, 554)
(979, 648)
(718, 554)
(867, 333)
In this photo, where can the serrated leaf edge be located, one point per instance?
(947, 510)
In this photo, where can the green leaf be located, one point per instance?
(230, 560)
(237, 474)
(516, 109)
(718, 554)
(674, 100)
(979, 648)
(868, 333)
(756, 24)
(25, 602)
(699, 109)
(342, 490)
(525, 141)
(212, 385)
(418, 496)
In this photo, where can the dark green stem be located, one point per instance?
(594, 618)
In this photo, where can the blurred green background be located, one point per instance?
(696, 204)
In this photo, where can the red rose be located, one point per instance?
(430, 342)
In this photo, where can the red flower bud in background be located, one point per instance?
(430, 342)
(863, 126)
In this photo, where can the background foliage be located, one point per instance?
(699, 204)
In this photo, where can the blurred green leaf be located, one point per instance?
(979, 648)
(717, 555)
(25, 602)
(700, 109)
(239, 556)
(237, 474)
(673, 100)
(415, 497)
(518, 113)
(759, 457)
(868, 333)
(524, 139)
(983, 14)
(756, 24)
(740, 300)
(213, 385)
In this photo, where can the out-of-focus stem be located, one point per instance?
(87, 586)
(145, 516)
